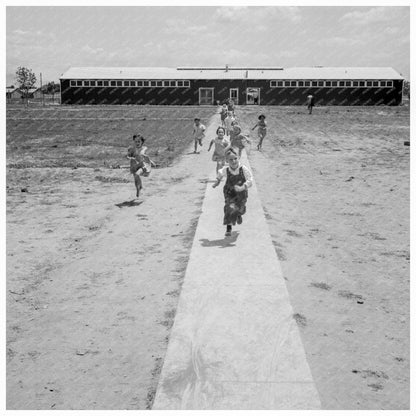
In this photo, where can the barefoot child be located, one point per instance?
(220, 145)
(223, 114)
(198, 133)
(238, 180)
(238, 140)
(262, 129)
(140, 163)
(228, 121)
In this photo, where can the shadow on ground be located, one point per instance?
(132, 203)
(223, 243)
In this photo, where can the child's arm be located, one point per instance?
(248, 183)
(210, 144)
(254, 126)
(220, 175)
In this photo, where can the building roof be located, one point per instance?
(231, 73)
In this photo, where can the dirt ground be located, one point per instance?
(93, 276)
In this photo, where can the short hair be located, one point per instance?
(231, 150)
(197, 119)
(220, 128)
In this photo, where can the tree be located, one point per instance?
(26, 79)
(406, 88)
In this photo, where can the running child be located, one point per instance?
(198, 133)
(238, 140)
(220, 144)
(140, 163)
(223, 114)
(262, 129)
(238, 180)
(229, 119)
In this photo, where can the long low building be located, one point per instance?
(246, 86)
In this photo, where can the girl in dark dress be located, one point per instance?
(238, 180)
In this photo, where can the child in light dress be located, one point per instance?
(140, 162)
(228, 122)
(262, 129)
(198, 133)
(220, 144)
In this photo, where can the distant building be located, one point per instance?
(12, 93)
(245, 85)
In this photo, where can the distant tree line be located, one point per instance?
(406, 88)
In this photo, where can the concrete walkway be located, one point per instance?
(234, 343)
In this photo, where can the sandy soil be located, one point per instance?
(93, 277)
(93, 282)
(337, 204)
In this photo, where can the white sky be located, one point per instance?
(51, 39)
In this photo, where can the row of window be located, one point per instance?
(129, 83)
(186, 83)
(351, 84)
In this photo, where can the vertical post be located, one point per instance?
(41, 90)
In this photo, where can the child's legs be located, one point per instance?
(195, 144)
(137, 182)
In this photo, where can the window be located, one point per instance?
(287, 83)
(389, 83)
(73, 83)
(113, 83)
(342, 83)
(172, 83)
(273, 84)
(92, 83)
(86, 83)
(320, 83)
(99, 83)
(369, 83)
(382, 83)
(355, 84)
(375, 83)
(79, 83)
(146, 83)
(140, 83)
(159, 83)
(348, 83)
(362, 83)
(327, 83)
(307, 83)
(186, 84)
(126, 83)
(166, 83)
(180, 83)
(132, 83)
(280, 83)
(153, 83)
(119, 83)
(314, 83)
(301, 83)
(105, 83)
(334, 83)
(293, 83)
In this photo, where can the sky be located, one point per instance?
(49, 40)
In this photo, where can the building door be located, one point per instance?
(253, 96)
(206, 96)
(234, 95)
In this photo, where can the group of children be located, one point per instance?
(228, 146)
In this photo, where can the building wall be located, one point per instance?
(268, 95)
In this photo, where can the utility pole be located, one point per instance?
(41, 90)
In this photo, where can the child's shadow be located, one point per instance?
(223, 243)
(132, 203)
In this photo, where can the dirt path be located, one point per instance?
(93, 282)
